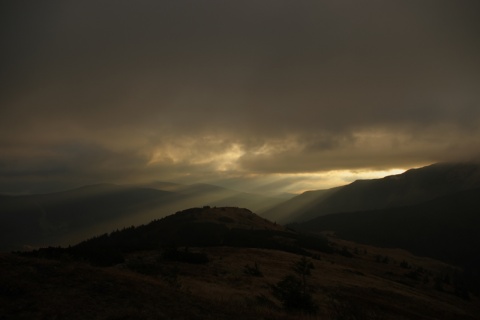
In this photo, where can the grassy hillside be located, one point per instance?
(367, 283)
(228, 263)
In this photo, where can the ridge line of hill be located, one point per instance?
(411, 187)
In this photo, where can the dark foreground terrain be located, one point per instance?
(344, 280)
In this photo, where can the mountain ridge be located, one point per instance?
(413, 186)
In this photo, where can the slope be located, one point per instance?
(149, 284)
(411, 187)
(284, 212)
(204, 227)
(445, 228)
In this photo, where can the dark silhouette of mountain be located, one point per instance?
(411, 187)
(195, 227)
(445, 228)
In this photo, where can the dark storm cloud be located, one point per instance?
(205, 89)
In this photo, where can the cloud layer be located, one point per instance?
(222, 90)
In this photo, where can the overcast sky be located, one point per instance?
(258, 95)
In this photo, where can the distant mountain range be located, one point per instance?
(430, 211)
(411, 187)
(71, 216)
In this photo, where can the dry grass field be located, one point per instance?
(357, 282)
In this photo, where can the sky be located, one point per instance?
(262, 96)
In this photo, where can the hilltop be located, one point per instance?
(195, 227)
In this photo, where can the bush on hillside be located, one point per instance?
(293, 290)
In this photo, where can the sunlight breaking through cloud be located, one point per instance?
(153, 91)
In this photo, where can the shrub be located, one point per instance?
(293, 290)
(252, 271)
(290, 292)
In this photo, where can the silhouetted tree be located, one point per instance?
(253, 271)
(293, 290)
(302, 268)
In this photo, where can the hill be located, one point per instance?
(444, 228)
(204, 227)
(411, 187)
(64, 218)
(355, 282)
